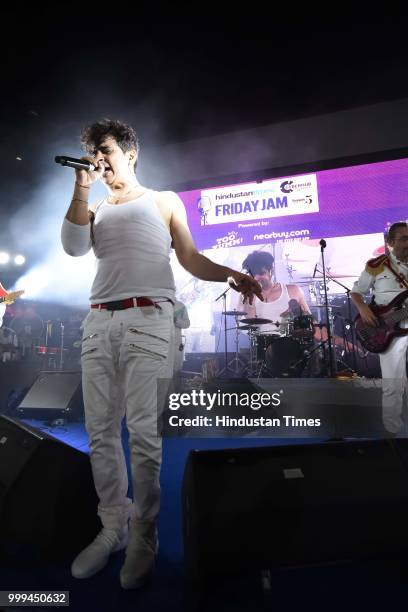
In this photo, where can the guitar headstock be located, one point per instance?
(11, 296)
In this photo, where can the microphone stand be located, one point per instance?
(223, 295)
(332, 363)
(274, 260)
(350, 320)
(62, 346)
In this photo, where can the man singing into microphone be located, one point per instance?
(127, 335)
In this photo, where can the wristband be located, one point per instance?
(79, 200)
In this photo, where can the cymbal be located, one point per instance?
(342, 276)
(324, 306)
(246, 327)
(256, 321)
(309, 281)
(311, 278)
(298, 282)
(328, 277)
(297, 260)
(235, 313)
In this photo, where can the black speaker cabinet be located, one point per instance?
(48, 501)
(293, 505)
(53, 394)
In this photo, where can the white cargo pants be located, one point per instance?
(124, 353)
(394, 384)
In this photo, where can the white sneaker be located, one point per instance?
(95, 556)
(140, 555)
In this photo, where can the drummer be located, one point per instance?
(280, 301)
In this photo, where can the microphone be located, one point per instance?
(322, 243)
(232, 283)
(73, 162)
(314, 272)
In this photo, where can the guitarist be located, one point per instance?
(3, 306)
(387, 276)
(5, 299)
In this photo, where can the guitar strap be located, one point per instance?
(403, 282)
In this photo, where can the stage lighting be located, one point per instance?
(4, 257)
(19, 260)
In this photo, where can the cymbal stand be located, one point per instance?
(47, 359)
(346, 349)
(349, 321)
(251, 369)
(236, 364)
(289, 268)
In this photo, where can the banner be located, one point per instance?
(266, 200)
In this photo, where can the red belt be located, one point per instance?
(127, 303)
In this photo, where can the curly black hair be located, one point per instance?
(257, 262)
(124, 134)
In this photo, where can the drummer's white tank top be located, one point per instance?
(272, 310)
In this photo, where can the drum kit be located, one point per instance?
(279, 353)
(296, 348)
(44, 340)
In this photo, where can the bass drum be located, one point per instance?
(284, 358)
(262, 343)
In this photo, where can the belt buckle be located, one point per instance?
(118, 305)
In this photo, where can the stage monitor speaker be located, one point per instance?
(48, 501)
(293, 505)
(53, 393)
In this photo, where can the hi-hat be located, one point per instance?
(246, 327)
(235, 313)
(256, 321)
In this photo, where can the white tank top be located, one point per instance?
(132, 246)
(272, 310)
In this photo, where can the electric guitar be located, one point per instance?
(10, 297)
(378, 339)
